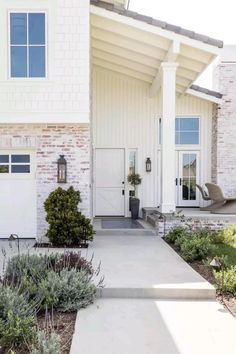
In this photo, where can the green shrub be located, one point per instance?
(196, 248)
(17, 319)
(68, 290)
(175, 233)
(195, 245)
(226, 280)
(47, 344)
(228, 235)
(67, 226)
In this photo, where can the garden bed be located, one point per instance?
(63, 325)
(49, 245)
(205, 270)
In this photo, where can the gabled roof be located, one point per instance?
(134, 45)
(161, 24)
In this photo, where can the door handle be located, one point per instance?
(123, 192)
(176, 181)
(180, 181)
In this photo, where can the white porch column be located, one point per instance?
(168, 137)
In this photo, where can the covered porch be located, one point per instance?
(143, 102)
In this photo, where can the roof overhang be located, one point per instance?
(137, 48)
(205, 94)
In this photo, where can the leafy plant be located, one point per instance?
(175, 233)
(226, 280)
(47, 343)
(195, 245)
(228, 235)
(17, 319)
(68, 290)
(134, 179)
(71, 259)
(67, 226)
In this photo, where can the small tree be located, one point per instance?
(134, 179)
(67, 225)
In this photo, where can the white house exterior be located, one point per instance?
(107, 88)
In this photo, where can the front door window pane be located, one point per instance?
(189, 173)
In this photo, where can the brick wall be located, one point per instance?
(49, 141)
(224, 130)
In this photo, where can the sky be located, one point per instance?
(212, 18)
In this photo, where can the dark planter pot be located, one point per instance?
(134, 207)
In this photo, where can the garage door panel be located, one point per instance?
(18, 204)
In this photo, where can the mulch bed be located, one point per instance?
(227, 300)
(49, 245)
(63, 325)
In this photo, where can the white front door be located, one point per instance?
(187, 176)
(109, 182)
(17, 194)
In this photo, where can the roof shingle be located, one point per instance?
(154, 22)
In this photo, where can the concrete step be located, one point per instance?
(118, 326)
(125, 232)
(160, 293)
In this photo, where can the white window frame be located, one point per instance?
(27, 45)
(199, 131)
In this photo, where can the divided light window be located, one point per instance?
(27, 45)
(15, 163)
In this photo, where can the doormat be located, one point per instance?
(124, 223)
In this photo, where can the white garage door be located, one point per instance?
(17, 194)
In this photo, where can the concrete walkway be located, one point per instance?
(153, 303)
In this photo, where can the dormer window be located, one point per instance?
(27, 45)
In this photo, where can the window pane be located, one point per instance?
(20, 158)
(4, 169)
(18, 24)
(18, 62)
(177, 124)
(37, 28)
(37, 61)
(20, 168)
(4, 158)
(188, 138)
(189, 124)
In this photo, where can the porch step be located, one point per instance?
(177, 292)
(125, 232)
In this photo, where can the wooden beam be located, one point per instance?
(142, 68)
(122, 70)
(171, 56)
(130, 32)
(125, 53)
(126, 43)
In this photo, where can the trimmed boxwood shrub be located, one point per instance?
(67, 225)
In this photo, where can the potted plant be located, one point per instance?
(134, 179)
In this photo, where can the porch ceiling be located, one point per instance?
(136, 49)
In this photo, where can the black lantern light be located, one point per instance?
(61, 169)
(148, 165)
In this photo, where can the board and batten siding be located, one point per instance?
(126, 116)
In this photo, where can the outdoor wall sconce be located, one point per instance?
(148, 165)
(61, 169)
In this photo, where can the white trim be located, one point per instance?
(203, 96)
(154, 29)
(44, 117)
